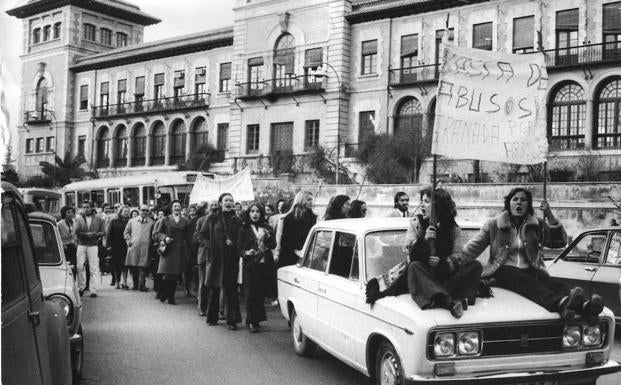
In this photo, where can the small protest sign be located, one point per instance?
(491, 106)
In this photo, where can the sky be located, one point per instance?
(179, 17)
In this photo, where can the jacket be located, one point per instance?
(499, 234)
(87, 236)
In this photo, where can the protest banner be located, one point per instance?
(239, 185)
(491, 106)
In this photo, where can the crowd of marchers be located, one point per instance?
(221, 251)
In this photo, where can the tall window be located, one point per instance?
(89, 32)
(524, 34)
(281, 140)
(369, 57)
(39, 145)
(103, 148)
(225, 77)
(36, 35)
(84, 97)
(56, 32)
(252, 139)
(199, 82)
(122, 91)
(29, 145)
(409, 119)
(139, 145)
(158, 144)
(568, 110)
(284, 61)
(49, 144)
(158, 87)
(41, 96)
(47, 32)
(608, 133)
(104, 97)
(612, 30)
(223, 136)
(482, 36)
(311, 134)
(121, 39)
(567, 36)
(81, 145)
(200, 135)
(105, 36)
(120, 147)
(177, 142)
(439, 36)
(179, 85)
(409, 57)
(366, 125)
(139, 92)
(255, 73)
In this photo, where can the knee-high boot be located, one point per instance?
(172, 286)
(163, 290)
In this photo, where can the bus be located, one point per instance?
(42, 199)
(155, 189)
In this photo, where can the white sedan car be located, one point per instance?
(505, 339)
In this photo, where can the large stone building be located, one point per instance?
(291, 75)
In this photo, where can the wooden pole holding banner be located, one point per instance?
(545, 180)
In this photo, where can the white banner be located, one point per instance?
(491, 106)
(239, 185)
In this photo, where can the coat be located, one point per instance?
(138, 237)
(256, 268)
(174, 260)
(292, 235)
(498, 233)
(222, 263)
(115, 241)
(201, 242)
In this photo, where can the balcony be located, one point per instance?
(153, 106)
(414, 75)
(274, 164)
(584, 54)
(40, 116)
(282, 86)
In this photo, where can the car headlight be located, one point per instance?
(444, 344)
(592, 336)
(64, 303)
(572, 336)
(469, 343)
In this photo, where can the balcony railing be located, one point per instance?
(38, 116)
(414, 75)
(184, 102)
(583, 54)
(274, 164)
(286, 85)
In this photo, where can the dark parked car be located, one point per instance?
(593, 261)
(35, 338)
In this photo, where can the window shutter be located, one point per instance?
(179, 79)
(159, 80)
(409, 45)
(122, 85)
(567, 19)
(139, 85)
(256, 61)
(225, 71)
(369, 47)
(523, 32)
(105, 88)
(313, 57)
(612, 17)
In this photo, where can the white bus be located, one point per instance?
(42, 199)
(155, 189)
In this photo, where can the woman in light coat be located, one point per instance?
(138, 237)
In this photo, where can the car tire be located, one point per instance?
(388, 369)
(77, 359)
(301, 344)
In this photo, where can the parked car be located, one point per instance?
(593, 261)
(504, 339)
(35, 338)
(59, 284)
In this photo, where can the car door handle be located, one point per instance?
(590, 268)
(35, 316)
(296, 280)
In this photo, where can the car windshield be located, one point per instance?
(46, 247)
(383, 250)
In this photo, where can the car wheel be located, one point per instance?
(301, 344)
(77, 359)
(388, 369)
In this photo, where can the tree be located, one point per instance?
(201, 158)
(62, 171)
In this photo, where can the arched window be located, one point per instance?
(46, 32)
(608, 133)
(103, 148)
(200, 135)
(177, 142)
(284, 62)
(120, 147)
(409, 119)
(567, 117)
(41, 97)
(139, 145)
(36, 35)
(56, 33)
(158, 144)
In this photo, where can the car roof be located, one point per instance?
(363, 225)
(38, 215)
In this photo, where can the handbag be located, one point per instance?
(161, 248)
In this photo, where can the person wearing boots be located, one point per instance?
(434, 278)
(174, 239)
(117, 246)
(138, 236)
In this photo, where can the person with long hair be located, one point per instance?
(256, 240)
(174, 238)
(293, 228)
(338, 208)
(515, 238)
(434, 278)
(117, 247)
(357, 209)
(220, 232)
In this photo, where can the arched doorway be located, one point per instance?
(567, 117)
(41, 98)
(409, 119)
(284, 63)
(200, 135)
(139, 145)
(103, 148)
(608, 123)
(177, 142)
(158, 144)
(120, 147)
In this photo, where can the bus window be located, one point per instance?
(183, 194)
(166, 196)
(97, 198)
(114, 196)
(83, 196)
(148, 195)
(131, 196)
(70, 199)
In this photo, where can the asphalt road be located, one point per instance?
(133, 339)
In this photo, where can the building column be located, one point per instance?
(188, 143)
(167, 149)
(147, 152)
(588, 124)
(130, 145)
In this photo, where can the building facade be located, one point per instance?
(289, 76)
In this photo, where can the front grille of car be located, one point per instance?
(522, 339)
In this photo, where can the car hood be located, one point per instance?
(54, 280)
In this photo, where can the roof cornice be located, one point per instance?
(105, 7)
(377, 10)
